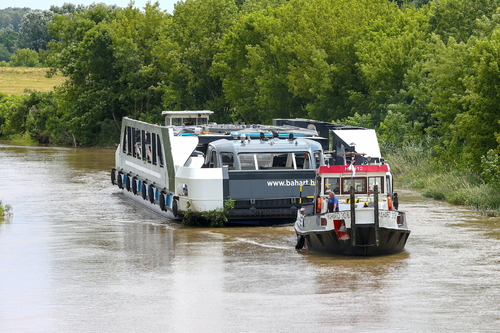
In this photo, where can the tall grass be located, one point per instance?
(414, 165)
(14, 80)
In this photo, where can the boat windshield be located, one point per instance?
(332, 184)
(266, 161)
(362, 185)
(359, 184)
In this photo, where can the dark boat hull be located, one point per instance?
(390, 241)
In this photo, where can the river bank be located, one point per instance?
(414, 167)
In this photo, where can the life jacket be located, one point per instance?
(319, 205)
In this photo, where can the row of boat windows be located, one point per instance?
(143, 145)
(261, 161)
(187, 121)
(362, 185)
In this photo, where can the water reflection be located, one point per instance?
(149, 247)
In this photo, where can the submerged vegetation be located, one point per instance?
(215, 218)
(5, 209)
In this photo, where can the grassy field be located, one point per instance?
(14, 80)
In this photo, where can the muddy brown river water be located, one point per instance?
(76, 256)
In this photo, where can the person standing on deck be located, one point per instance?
(333, 202)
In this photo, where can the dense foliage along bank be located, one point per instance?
(420, 72)
(415, 166)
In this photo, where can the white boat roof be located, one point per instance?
(187, 113)
(365, 139)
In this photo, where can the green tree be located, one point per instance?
(4, 53)
(82, 51)
(9, 38)
(299, 59)
(387, 53)
(10, 18)
(106, 53)
(478, 125)
(459, 18)
(67, 8)
(185, 55)
(33, 31)
(25, 58)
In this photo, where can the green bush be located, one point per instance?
(414, 166)
(25, 58)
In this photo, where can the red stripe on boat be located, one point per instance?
(359, 168)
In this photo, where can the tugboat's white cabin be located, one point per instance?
(186, 118)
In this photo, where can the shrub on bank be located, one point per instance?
(414, 166)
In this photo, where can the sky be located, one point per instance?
(167, 5)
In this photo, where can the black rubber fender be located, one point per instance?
(127, 182)
(120, 180)
(143, 191)
(300, 242)
(162, 201)
(134, 185)
(113, 176)
(175, 207)
(151, 194)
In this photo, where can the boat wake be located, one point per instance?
(243, 240)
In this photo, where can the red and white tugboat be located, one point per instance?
(354, 211)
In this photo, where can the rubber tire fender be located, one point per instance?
(120, 180)
(300, 242)
(113, 176)
(162, 201)
(151, 194)
(127, 183)
(143, 191)
(175, 207)
(134, 185)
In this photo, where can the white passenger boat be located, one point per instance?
(367, 221)
(193, 167)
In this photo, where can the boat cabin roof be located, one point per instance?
(261, 146)
(179, 118)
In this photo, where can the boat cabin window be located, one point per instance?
(332, 184)
(247, 161)
(317, 158)
(143, 145)
(372, 181)
(147, 148)
(303, 161)
(227, 159)
(359, 184)
(267, 161)
(389, 184)
(189, 121)
(212, 162)
(202, 121)
(362, 185)
(176, 122)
